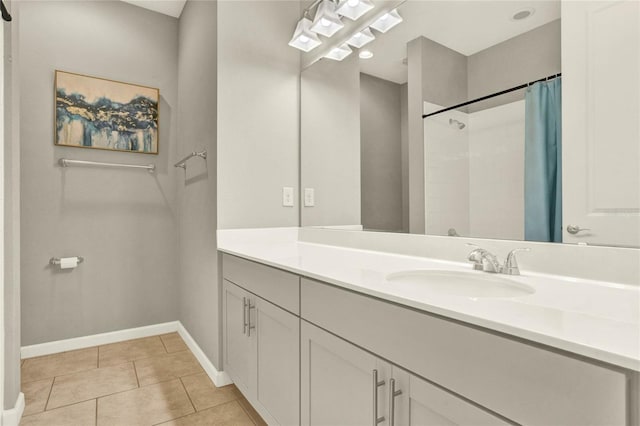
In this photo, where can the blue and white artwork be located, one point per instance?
(104, 114)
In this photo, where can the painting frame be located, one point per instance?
(115, 134)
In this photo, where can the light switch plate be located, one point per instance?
(287, 196)
(309, 197)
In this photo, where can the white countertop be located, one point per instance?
(595, 319)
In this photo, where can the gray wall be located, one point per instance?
(381, 153)
(196, 186)
(11, 379)
(258, 113)
(404, 140)
(122, 221)
(438, 75)
(330, 151)
(527, 57)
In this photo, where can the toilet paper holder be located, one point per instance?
(56, 260)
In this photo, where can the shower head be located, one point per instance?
(460, 125)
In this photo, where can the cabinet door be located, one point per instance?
(337, 381)
(600, 126)
(237, 343)
(422, 404)
(277, 379)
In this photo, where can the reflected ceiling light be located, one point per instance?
(353, 9)
(303, 38)
(339, 53)
(522, 14)
(387, 21)
(361, 38)
(365, 54)
(326, 22)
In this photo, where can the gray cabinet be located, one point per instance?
(237, 344)
(342, 384)
(277, 351)
(524, 383)
(261, 353)
(337, 384)
(420, 403)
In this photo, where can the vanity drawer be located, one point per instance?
(522, 382)
(278, 287)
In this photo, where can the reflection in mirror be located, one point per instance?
(488, 160)
(495, 172)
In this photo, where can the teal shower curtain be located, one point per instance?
(543, 162)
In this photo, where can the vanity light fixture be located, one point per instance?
(361, 38)
(353, 9)
(326, 22)
(303, 38)
(365, 54)
(387, 21)
(339, 53)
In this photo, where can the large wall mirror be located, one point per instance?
(513, 120)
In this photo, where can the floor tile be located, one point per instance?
(173, 342)
(48, 366)
(253, 414)
(83, 414)
(36, 395)
(204, 394)
(130, 350)
(226, 414)
(166, 367)
(148, 405)
(92, 384)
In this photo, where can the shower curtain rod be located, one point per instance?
(493, 95)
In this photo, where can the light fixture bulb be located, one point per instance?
(339, 53)
(387, 21)
(361, 38)
(326, 22)
(303, 38)
(365, 54)
(354, 9)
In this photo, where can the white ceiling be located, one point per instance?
(464, 26)
(167, 7)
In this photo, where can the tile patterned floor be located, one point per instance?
(150, 381)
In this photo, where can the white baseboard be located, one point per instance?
(12, 417)
(97, 339)
(219, 378)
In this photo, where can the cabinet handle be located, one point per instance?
(244, 315)
(392, 400)
(376, 385)
(249, 326)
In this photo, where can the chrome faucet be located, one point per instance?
(484, 260)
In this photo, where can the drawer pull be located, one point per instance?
(392, 400)
(249, 326)
(244, 315)
(376, 385)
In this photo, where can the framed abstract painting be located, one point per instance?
(98, 113)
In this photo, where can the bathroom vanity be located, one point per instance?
(318, 334)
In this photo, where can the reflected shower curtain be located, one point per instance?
(543, 162)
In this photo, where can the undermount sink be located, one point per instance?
(459, 283)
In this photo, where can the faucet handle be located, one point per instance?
(476, 256)
(511, 264)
